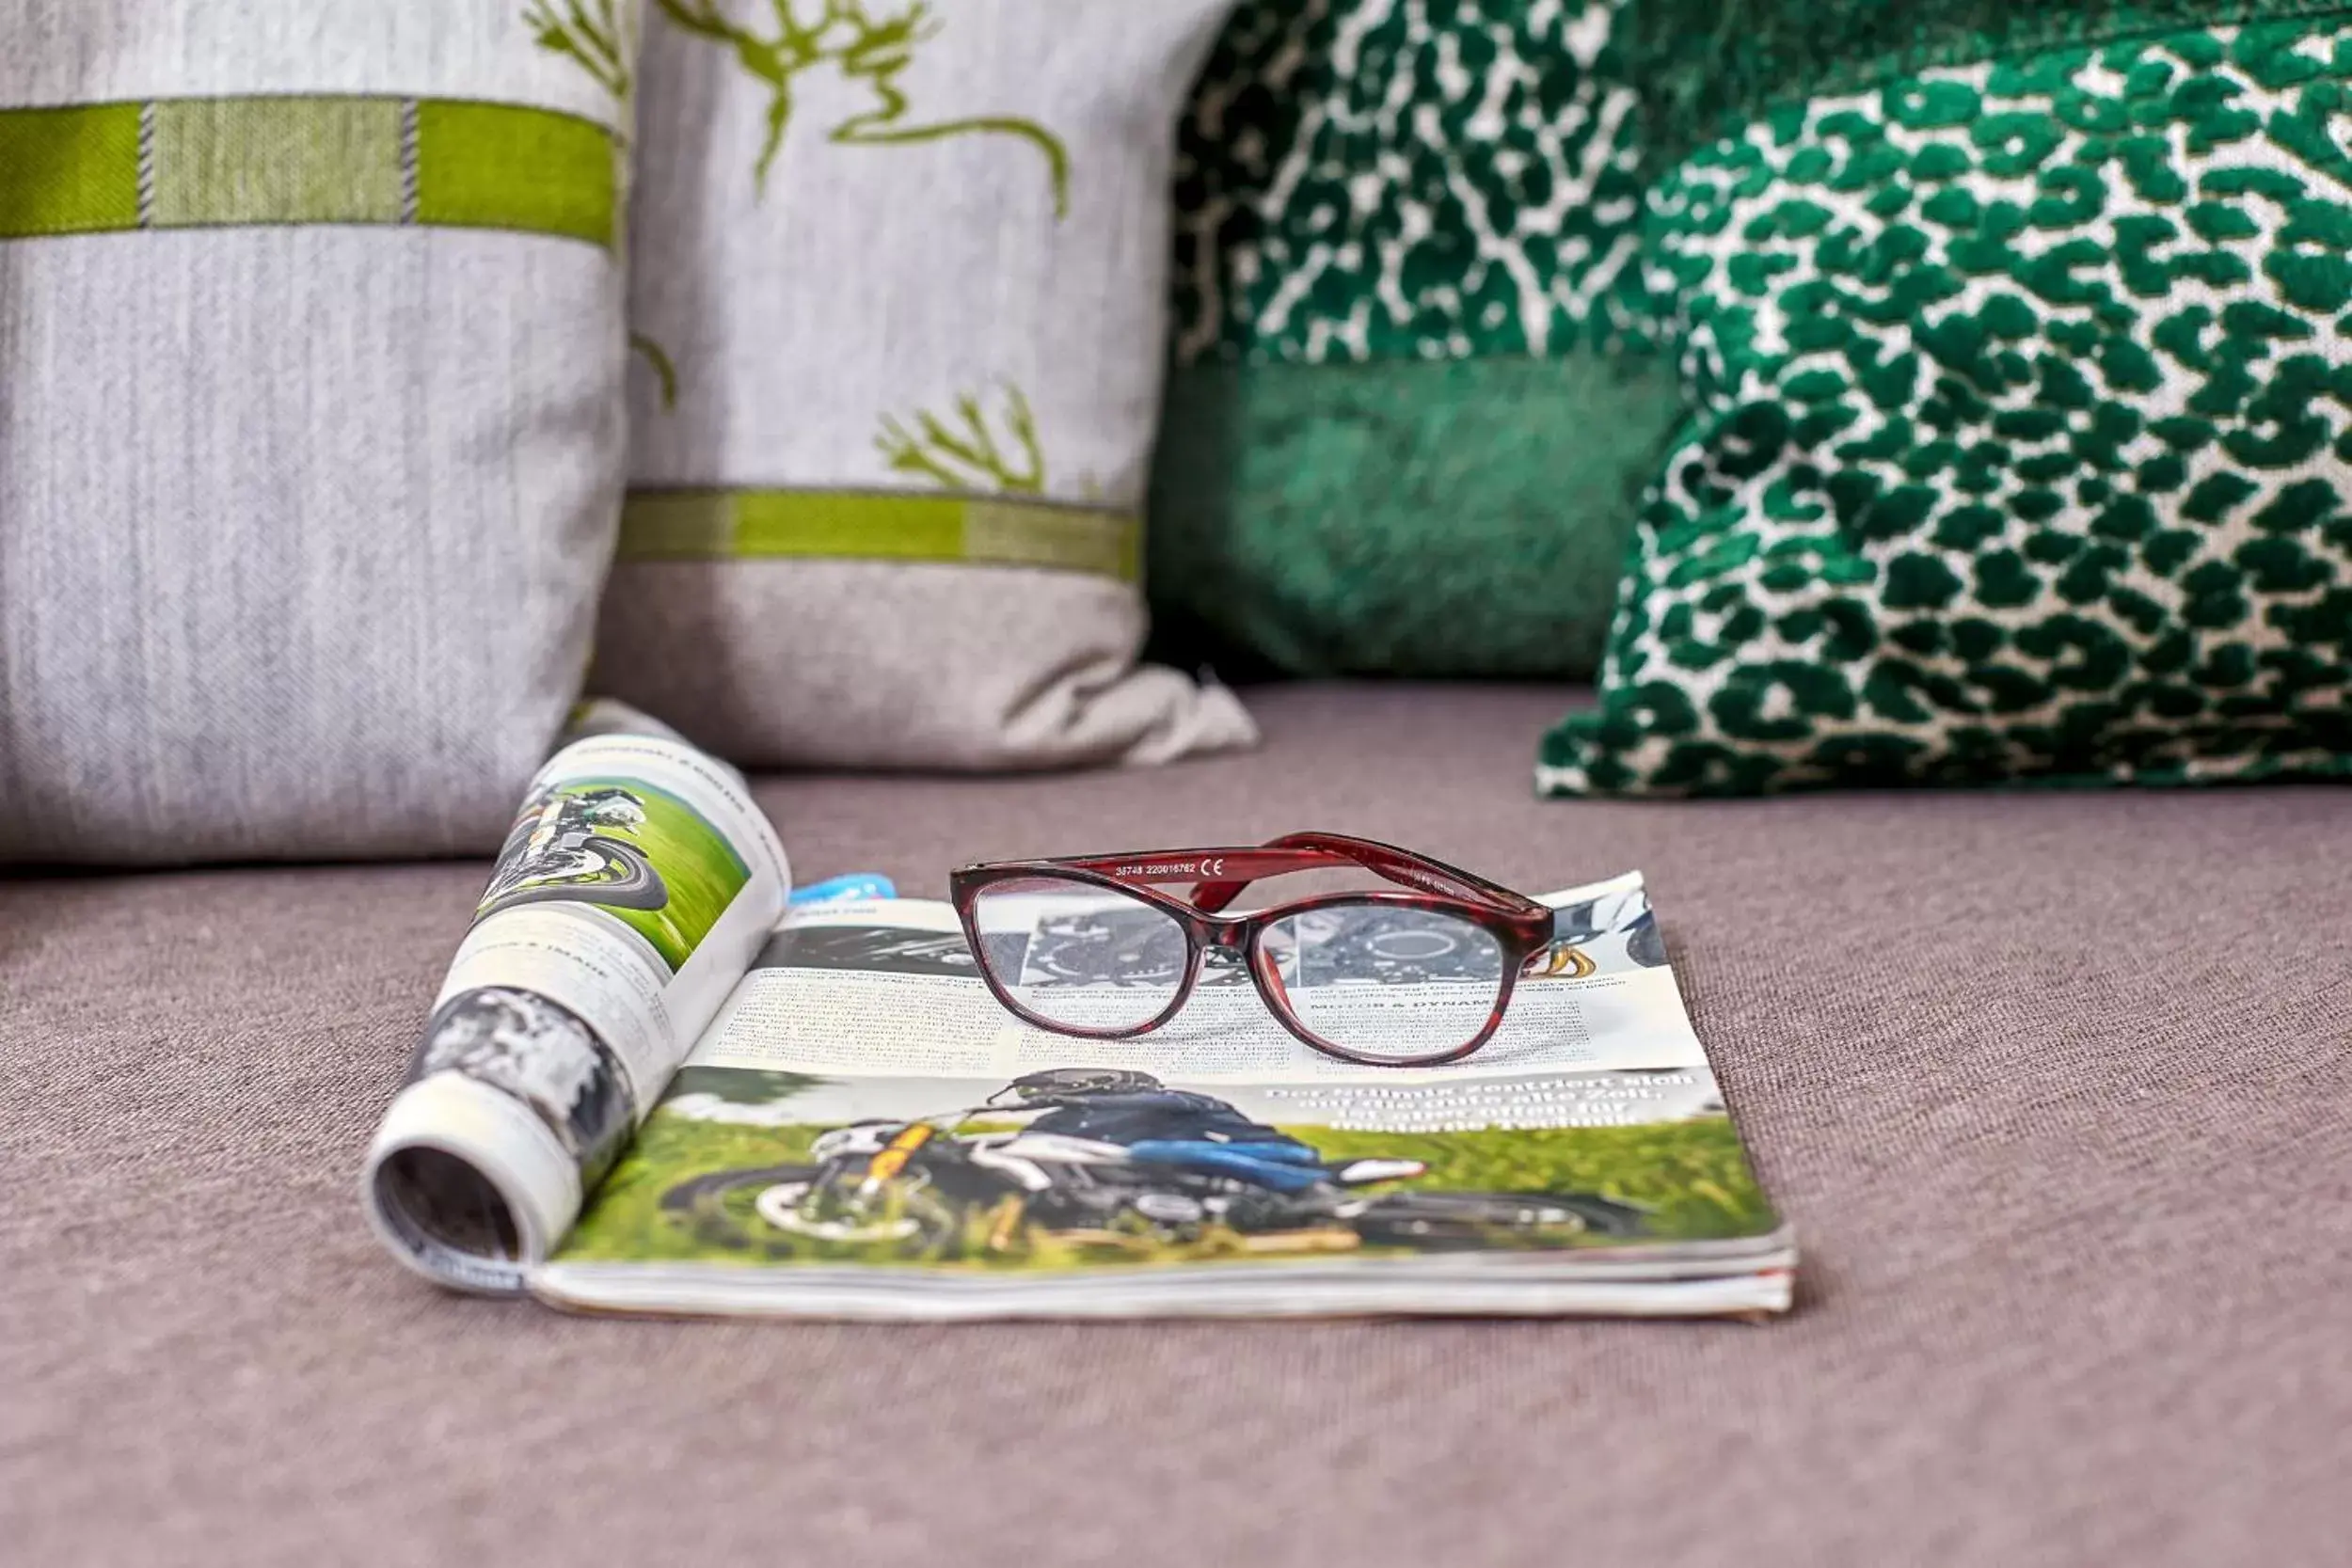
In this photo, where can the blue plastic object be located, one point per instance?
(860, 884)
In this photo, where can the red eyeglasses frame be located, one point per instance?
(1522, 926)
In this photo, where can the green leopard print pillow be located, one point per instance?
(2021, 392)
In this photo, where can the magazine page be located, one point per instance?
(636, 885)
(864, 1108)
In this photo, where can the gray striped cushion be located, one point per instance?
(311, 358)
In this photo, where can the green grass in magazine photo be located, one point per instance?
(637, 853)
(1077, 1167)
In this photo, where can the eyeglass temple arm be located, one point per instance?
(1401, 867)
(1218, 874)
(1221, 875)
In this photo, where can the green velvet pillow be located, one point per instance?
(1406, 431)
(2019, 355)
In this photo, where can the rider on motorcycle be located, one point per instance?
(569, 819)
(566, 821)
(1156, 1125)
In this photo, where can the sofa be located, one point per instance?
(2051, 1085)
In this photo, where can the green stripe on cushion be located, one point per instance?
(873, 526)
(493, 166)
(677, 525)
(275, 159)
(72, 170)
(278, 160)
(1022, 534)
(718, 525)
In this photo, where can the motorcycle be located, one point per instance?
(564, 849)
(920, 1187)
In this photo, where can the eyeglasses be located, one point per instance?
(1090, 947)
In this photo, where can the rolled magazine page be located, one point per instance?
(637, 884)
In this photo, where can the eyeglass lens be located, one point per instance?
(1080, 955)
(1378, 980)
(1386, 982)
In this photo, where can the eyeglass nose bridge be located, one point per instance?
(1226, 949)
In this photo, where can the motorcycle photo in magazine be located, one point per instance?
(653, 1082)
(863, 1132)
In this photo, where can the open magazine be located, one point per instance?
(649, 1084)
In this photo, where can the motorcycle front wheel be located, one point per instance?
(700, 1202)
(914, 1218)
(710, 1188)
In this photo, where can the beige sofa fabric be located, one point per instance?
(2053, 1086)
